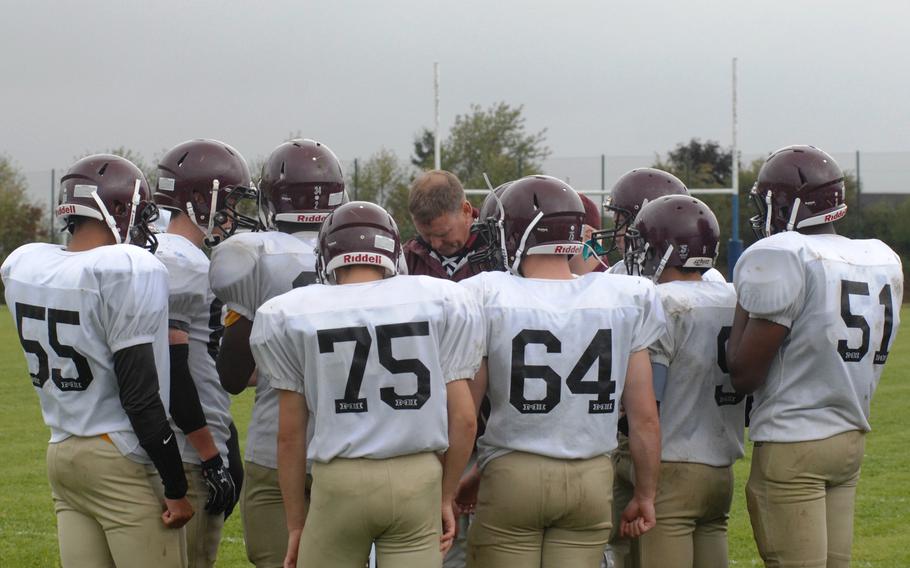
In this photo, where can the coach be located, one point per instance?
(442, 216)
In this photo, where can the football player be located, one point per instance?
(632, 191)
(375, 436)
(817, 314)
(561, 353)
(301, 183)
(674, 241)
(92, 321)
(201, 182)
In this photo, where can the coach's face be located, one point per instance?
(448, 233)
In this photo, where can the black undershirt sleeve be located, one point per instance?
(137, 378)
(185, 406)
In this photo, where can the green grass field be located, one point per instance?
(28, 532)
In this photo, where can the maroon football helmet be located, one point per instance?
(358, 232)
(674, 230)
(301, 183)
(206, 179)
(542, 215)
(629, 194)
(797, 187)
(114, 191)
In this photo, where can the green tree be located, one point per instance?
(384, 180)
(27, 220)
(699, 164)
(492, 141)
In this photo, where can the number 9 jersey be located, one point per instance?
(841, 300)
(557, 354)
(372, 359)
(73, 311)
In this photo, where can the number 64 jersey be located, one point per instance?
(841, 300)
(557, 354)
(372, 359)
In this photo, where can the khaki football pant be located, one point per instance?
(393, 502)
(542, 512)
(203, 532)
(624, 550)
(109, 508)
(265, 528)
(692, 505)
(800, 497)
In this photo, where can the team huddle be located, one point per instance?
(489, 394)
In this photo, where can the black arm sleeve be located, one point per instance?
(137, 378)
(185, 406)
(235, 361)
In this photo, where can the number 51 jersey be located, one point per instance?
(841, 300)
(372, 359)
(73, 311)
(557, 354)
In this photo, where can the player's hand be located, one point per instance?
(177, 512)
(466, 495)
(220, 485)
(290, 557)
(638, 518)
(449, 527)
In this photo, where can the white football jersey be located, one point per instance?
(192, 304)
(247, 270)
(841, 300)
(73, 311)
(373, 361)
(702, 420)
(557, 354)
(710, 275)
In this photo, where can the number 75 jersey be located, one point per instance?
(557, 354)
(841, 300)
(372, 359)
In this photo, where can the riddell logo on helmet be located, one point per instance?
(66, 210)
(311, 217)
(362, 258)
(566, 249)
(835, 216)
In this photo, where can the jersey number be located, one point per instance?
(54, 317)
(352, 401)
(600, 349)
(852, 288)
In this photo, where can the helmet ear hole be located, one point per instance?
(119, 208)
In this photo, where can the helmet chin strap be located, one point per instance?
(792, 222)
(521, 244)
(663, 264)
(134, 203)
(500, 224)
(208, 234)
(111, 224)
(768, 212)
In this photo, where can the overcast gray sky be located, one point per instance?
(615, 77)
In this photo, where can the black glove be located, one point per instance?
(222, 496)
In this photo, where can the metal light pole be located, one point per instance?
(437, 161)
(735, 246)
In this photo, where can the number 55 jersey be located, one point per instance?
(557, 354)
(73, 311)
(372, 359)
(841, 300)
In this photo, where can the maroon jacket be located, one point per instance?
(421, 262)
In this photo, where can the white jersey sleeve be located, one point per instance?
(770, 283)
(249, 269)
(463, 337)
(278, 362)
(187, 277)
(135, 297)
